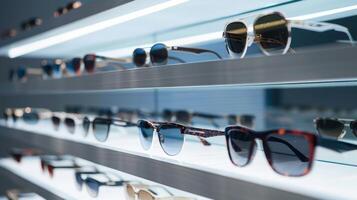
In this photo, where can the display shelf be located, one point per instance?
(307, 67)
(15, 181)
(203, 183)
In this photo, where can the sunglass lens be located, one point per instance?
(92, 187)
(290, 154)
(76, 65)
(146, 134)
(241, 145)
(159, 53)
(130, 193)
(353, 126)
(56, 122)
(21, 73)
(86, 125)
(31, 118)
(144, 195)
(171, 139)
(272, 32)
(329, 127)
(79, 181)
(47, 69)
(139, 57)
(183, 116)
(89, 62)
(101, 129)
(236, 37)
(70, 124)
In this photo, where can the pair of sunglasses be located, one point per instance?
(17, 154)
(69, 120)
(159, 54)
(171, 135)
(88, 179)
(51, 163)
(90, 63)
(31, 23)
(150, 192)
(335, 128)
(101, 126)
(272, 32)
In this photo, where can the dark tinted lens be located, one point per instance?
(56, 122)
(353, 127)
(92, 187)
(240, 146)
(139, 57)
(236, 37)
(273, 33)
(86, 125)
(76, 64)
(146, 134)
(167, 115)
(89, 62)
(47, 69)
(31, 118)
(171, 139)
(21, 73)
(290, 154)
(247, 120)
(70, 124)
(79, 181)
(158, 53)
(183, 116)
(101, 129)
(329, 127)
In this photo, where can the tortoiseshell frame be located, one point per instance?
(263, 135)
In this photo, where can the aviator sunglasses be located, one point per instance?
(272, 33)
(159, 54)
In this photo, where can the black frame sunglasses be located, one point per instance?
(159, 54)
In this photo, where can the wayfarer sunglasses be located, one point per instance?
(335, 128)
(101, 126)
(159, 54)
(272, 32)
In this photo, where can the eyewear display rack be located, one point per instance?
(323, 66)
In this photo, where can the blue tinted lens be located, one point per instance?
(101, 129)
(92, 187)
(79, 181)
(21, 73)
(139, 57)
(171, 140)
(31, 118)
(146, 134)
(158, 53)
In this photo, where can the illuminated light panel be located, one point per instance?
(70, 35)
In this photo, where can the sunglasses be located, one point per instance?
(335, 128)
(159, 54)
(50, 163)
(150, 192)
(18, 154)
(92, 184)
(171, 135)
(272, 32)
(90, 62)
(101, 126)
(31, 23)
(69, 120)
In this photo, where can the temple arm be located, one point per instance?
(122, 123)
(335, 145)
(195, 50)
(200, 132)
(123, 60)
(321, 27)
(300, 155)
